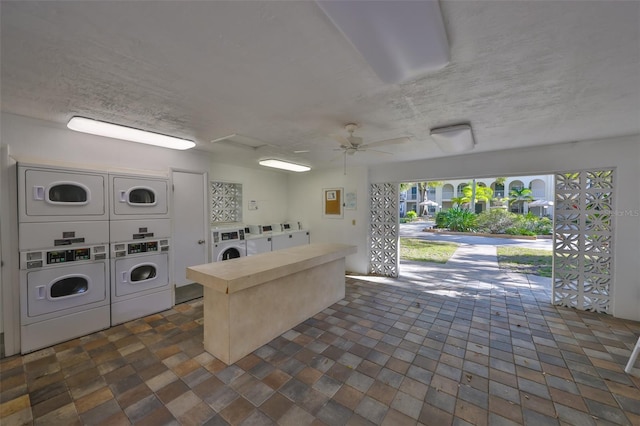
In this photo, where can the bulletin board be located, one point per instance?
(332, 202)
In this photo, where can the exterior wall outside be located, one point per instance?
(451, 188)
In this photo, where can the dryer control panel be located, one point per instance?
(52, 257)
(139, 248)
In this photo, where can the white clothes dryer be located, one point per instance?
(64, 294)
(139, 196)
(52, 194)
(139, 279)
(227, 244)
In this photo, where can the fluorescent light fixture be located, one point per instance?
(101, 128)
(454, 139)
(285, 165)
(399, 39)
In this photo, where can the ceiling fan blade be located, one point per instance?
(395, 141)
(377, 151)
(341, 140)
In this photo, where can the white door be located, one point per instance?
(190, 223)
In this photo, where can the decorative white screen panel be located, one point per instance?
(226, 202)
(384, 230)
(583, 240)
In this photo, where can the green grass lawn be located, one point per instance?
(426, 251)
(525, 261)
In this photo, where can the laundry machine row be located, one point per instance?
(93, 250)
(265, 238)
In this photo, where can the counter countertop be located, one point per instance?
(235, 275)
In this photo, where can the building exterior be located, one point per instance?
(540, 185)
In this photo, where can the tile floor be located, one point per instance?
(464, 351)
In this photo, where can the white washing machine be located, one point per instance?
(140, 281)
(139, 196)
(259, 243)
(258, 238)
(289, 239)
(53, 194)
(64, 288)
(227, 243)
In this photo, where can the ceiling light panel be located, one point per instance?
(399, 39)
(454, 139)
(102, 128)
(284, 165)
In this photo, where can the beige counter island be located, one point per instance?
(251, 300)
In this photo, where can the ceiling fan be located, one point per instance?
(352, 144)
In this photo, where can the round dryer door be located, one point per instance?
(230, 253)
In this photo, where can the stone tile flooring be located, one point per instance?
(463, 351)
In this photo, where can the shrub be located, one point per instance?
(544, 226)
(496, 221)
(460, 220)
(441, 219)
(520, 231)
(411, 215)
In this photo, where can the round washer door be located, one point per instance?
(229, 253)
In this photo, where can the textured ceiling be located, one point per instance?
(522, 73)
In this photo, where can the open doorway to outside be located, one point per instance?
(465, 224)
(576, 207)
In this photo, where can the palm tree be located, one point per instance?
(518, 196)
(459, 201)
(482, 193)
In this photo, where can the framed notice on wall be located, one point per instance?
(332, 203)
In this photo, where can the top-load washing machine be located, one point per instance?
(292, 235)
(227, 243)
(139, 196)
(54, 194)
(259, 238)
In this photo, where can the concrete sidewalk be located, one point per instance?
(472, 269)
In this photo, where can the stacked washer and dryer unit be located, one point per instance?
(64, 249)
(139, 235)
(68, 285)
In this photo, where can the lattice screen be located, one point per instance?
(384, 229)
(583, 240)
(226, 202)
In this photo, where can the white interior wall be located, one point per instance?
(33, 139)
(305, 192)
(268, 188)
(623, 153)
(40, 141)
